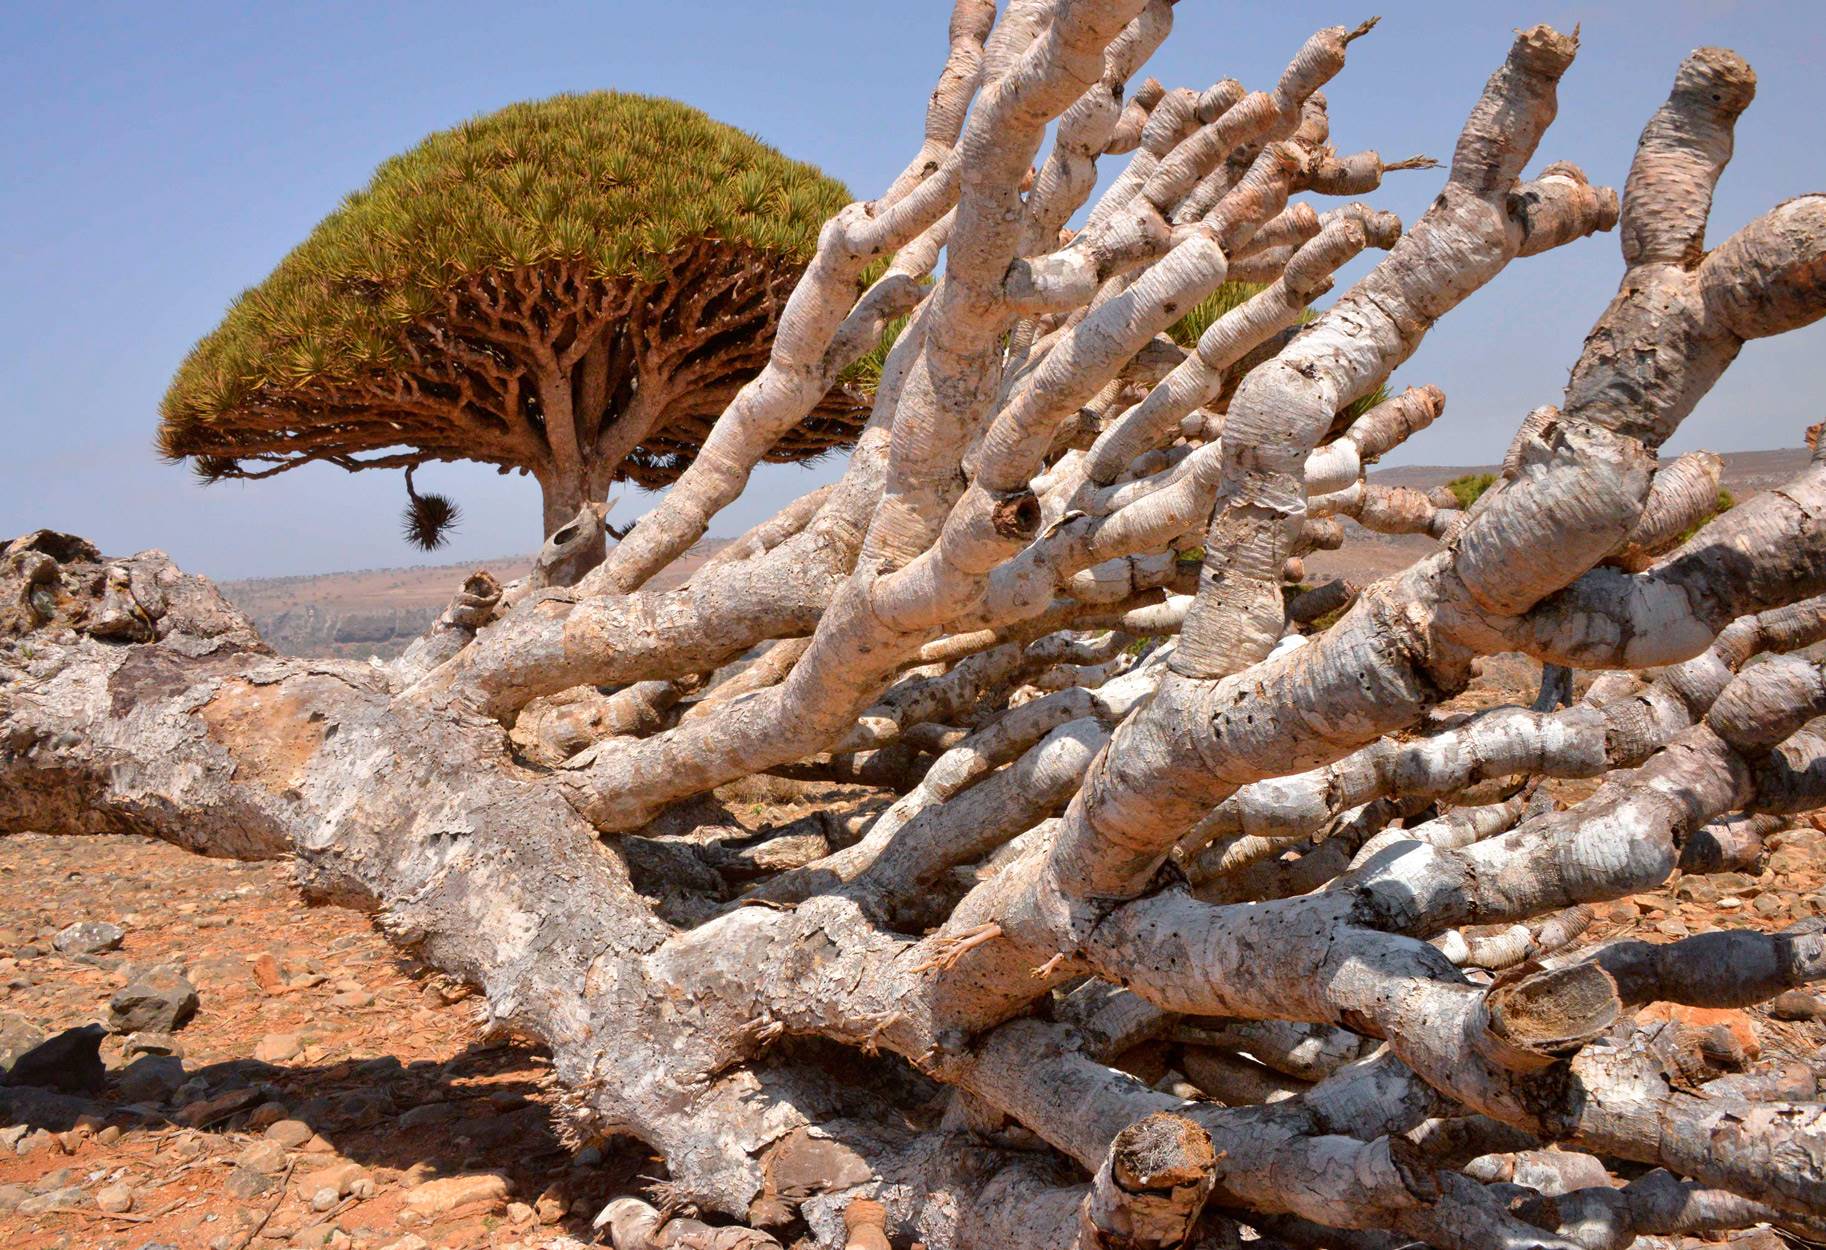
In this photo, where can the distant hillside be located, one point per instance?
(1367, 556)
(1746, 472)
(377, 612)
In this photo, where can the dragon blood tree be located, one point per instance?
(573, 288)
(1166, 905)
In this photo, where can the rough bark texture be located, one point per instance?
(1134, 798)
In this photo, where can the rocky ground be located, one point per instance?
(273, 1075)
(323, 1094)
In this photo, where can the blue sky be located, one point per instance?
(159, 158)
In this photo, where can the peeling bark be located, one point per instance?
(1175, 917)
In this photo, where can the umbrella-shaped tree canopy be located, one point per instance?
(573, 288)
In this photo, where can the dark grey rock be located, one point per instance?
(68, 1196)
(364, 1107)
(318, 1110)
(69, 1062)
(428, 1113)
(191, 1090)
(17, 1035)
(58, 1178)
(244, 1182)
(159, 1001)
(151, 1043)
(150, 1078)
(88, 937)
(24, 1105)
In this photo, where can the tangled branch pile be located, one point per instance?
(1128, 795)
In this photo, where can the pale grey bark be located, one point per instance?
(1218, 842)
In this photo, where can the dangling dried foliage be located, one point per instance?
(428, 519)
(1162, 906)
(645, 244)
(211, 469)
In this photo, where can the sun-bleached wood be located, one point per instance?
(1171, 914)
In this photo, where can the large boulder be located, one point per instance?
(70, 1062)
(17, 1035)
(161, 1000)
(150, 1078)
(88, 937)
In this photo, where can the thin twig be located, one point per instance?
(87, 1214)
(273, 1206)
(129, 1217)
(323, 1219)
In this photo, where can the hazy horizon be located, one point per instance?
(442, 559)
(161, 160)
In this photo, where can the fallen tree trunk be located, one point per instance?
(1048, 614)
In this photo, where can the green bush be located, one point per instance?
(1724, 503)
(1468, 488)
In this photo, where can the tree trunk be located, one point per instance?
(563, 496)
(1159, 909)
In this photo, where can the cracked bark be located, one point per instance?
(955, 1005)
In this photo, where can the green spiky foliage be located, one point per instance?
(1230, 295)
(1724, 503)
(1470, 487)
(573, 287)
(864, 373)
(1204, 314)
(1357, 407)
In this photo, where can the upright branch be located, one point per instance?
(1163, 905)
